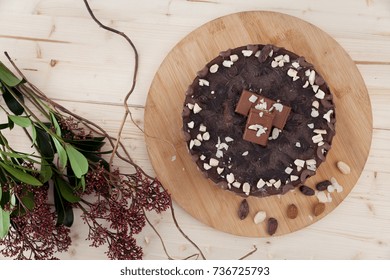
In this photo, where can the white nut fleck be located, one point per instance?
(281, 63)
(320, 131)
(292, 72)
(275, 133)
(202, 157)
(311, 125)
(234, 57)
(245, 153)
(314, 113)
(277, 184)
(197, 142)
(343, 167)
(246, 188)
(278, 58)
(206, 166)
(199, 137)
(259, 217)
(197, 108)
(312, 77)
(190, 106)
(247, 53)
(202, 128)
(229, 139)
(298, 144)
(327, 115)
(315, 87)
(220, 170)
(213, 162)
(236, 184)
(274, 64)
(230, 178)
(320, 94)
(293, 178)
(253, 98)
(288, 170)
(295, 64)
(278, 107)
(257, 54)
(206, 136)
(260, 184)
(299, 162)
(227, 63)
(214, 68)
(317, 138)
(336, 185)
(203, 82)
(191, 124)
(192, 143)
(295, 78)
(315, 104)
(286, 58)
(311, 162)
(306, 84)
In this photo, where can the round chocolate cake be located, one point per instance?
(258, 120)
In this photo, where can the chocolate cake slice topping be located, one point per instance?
(258, 120)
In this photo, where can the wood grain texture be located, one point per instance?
(168, 152)
(93, 74)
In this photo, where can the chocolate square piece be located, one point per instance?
(247, 100)
(281, 115)
(258, 127)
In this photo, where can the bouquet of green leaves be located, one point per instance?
(66, 169)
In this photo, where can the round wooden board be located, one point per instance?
(163, 123)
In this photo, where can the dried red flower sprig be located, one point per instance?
(113, 205)
(34, 233)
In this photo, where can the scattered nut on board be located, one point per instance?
(272, 226)
(343, 167)
(292, 211)
(243, 210)
(318, 209)
(259, 217)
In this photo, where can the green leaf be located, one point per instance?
(21, 175)
(4, 126)
(64, 211)
(45, 147)
(33, 134)
(61, 153)
(88, 145)
(28, 201)
(12, 103)
(55, 123)
(78, 161)
(20, 121)
(7, 77)
(5, 197)
(46, 171)
(5, 222)
(66, 190)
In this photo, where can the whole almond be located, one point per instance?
(243, 210)
(318, 209)
(306, 190)
(323, 185)
(292, 211)
(343, 167)
(259, 217)
(272, 226)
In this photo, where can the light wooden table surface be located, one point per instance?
(89, 70)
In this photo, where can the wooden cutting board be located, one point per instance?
(163, 122)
